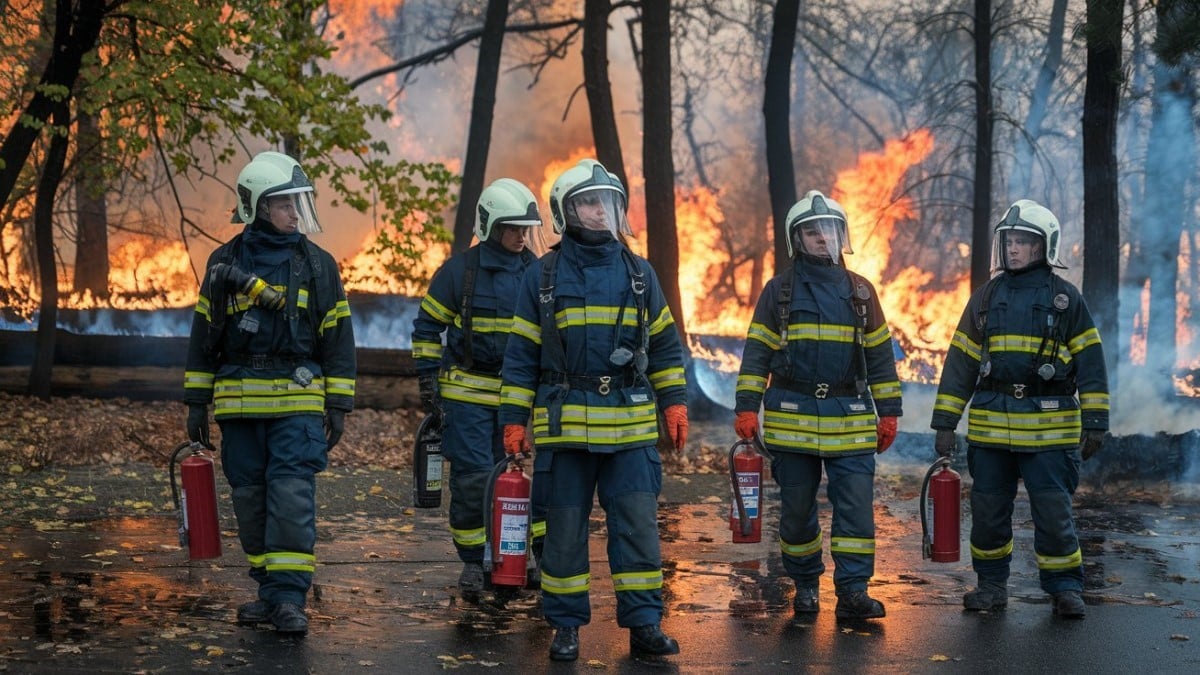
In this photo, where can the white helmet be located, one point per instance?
(274, 174)
(1029, 217)
(587, 184)
(505, 202)
(821, 216)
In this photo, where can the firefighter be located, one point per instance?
(471, 300)
(594, 357)
(1025, 345)
(818, 360)
(272, 348)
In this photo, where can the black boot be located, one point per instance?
(470, 582)
(289, 618)
(806, 602)
(1069, 604)
(565, 646)
(251, 613)
(858, 605)
(651, 641)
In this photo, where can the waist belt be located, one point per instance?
(1022, 390)
(265, 361)
(601, 384)
(817, 389)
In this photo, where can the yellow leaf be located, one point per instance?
(406, 528)
(215, 651)
(376, 489)
(939, 657)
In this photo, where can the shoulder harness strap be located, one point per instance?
(472, 267)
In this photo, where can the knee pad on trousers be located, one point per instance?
(250, 508)
(291, 503)
(634, 517)
(565, 547)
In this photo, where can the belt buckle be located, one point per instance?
(260, 361)
(604, 387)
(822, 390)
(1018, 391)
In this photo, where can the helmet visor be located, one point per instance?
(823, 238)
(291, 210)
(1017, 248)
(599, 208)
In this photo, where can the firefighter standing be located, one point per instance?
(1024, 346)
(818, 333)
(593, 357)
(471, 300)
(272, 347)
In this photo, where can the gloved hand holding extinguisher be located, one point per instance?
(197, 423)
(515, 439)
(945, 442)
(260, 292)
(745, 425)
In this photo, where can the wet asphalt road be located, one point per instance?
(92, 581)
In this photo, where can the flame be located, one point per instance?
(366, 272)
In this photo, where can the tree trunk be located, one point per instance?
(599, 89)
(1101, 227)
(43, 227)
(479, 130)
(981, 201)
(91, 229)
(777, 96)
(658, 165)
(76, 29)
(1170, 160)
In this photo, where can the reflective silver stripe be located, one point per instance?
(577, 584)
(638, 581)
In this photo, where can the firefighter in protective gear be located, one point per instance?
(272, 348)
(818, 360)
(1023, 348)
(593, 358)
(471, 300)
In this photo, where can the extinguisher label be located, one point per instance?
(433, 472)
(749, 484)
(183, 506)
(514, 526)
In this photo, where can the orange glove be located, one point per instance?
(677, 424)
(885, 430)
(515, 439)
(746, 424)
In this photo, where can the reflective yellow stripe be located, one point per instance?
(517, 396)
(822, 434)
(882, 390)
(1093, 401)
(600, 425)
(437, 310)
(202, 308)
(854, 545)
(950, 404)
(992, 554)
(877, 337)
(257, 560)
(801, 550)
(537, 529)
(527, 329)
(638, 581)
(196, 379)
(339, 385)
(459, 385)
(1030, 430)
(669, 377)
(820, 332)
(752, 383)
(564, 586)
(469, 538)
(282, 396)
(431, 351)
(290, 561)
(761, 333)
(1059, 562)
(966, 345)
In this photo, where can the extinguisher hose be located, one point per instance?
(489, 491)
(926, 537)
(743, 518)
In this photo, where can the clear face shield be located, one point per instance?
(1015, 249)
(600, 209)
(291, 210)
(823, 238)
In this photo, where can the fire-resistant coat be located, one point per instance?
(313, 331)
(810, 401)
(470, 393)
(1026, 314)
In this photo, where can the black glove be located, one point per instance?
(946, 443)
(335, 424)
(1089, 442)
(429, 394)
(260, 292)
(197, 423)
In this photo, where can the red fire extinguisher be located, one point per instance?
(506, 522)
(196, 502)
(941, 493)
(746, 479)
(427, 463)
